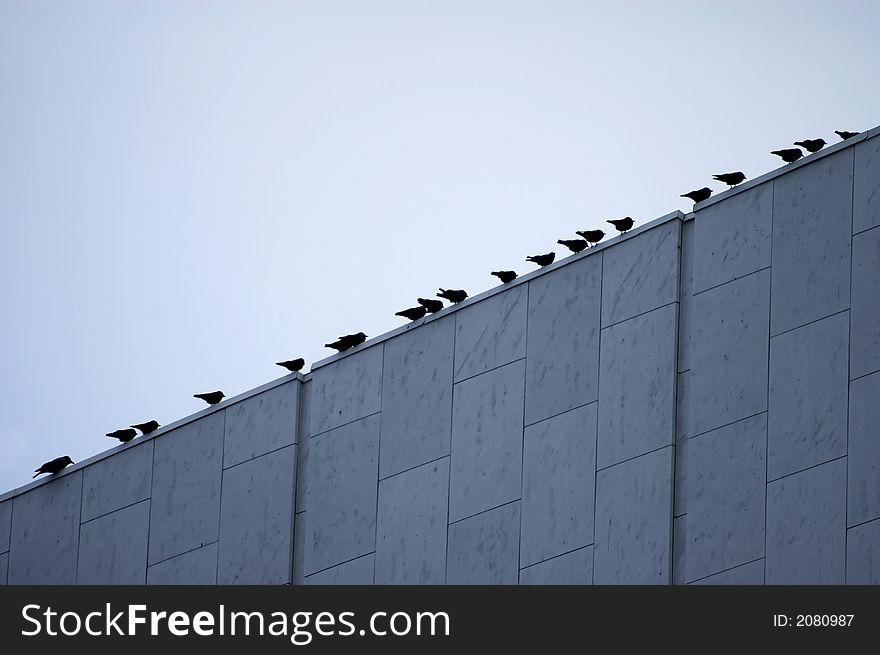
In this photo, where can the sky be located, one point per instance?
(191, 191)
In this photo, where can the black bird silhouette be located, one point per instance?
(433, 306)
(212, 397)
(811, 145)
(347, 341)
(595, 236)
(622, 224)
(575, 245)
(452, 295)
(413, 313)
(54, 466)
(844, 135)
(730, 179)
(292, 365)
(542, 260)
(788, 155)
(146, 428)
(124, 436)
(505, 276)
(699, 195)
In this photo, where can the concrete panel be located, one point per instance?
(733, 237)
(682, 435)
(411, 534)
(5, 524)
(812, 223)
(744, 574)
(559, 477)
(484, 549)
(487, 432)
(344, 474)
(299, 547)
(726, 494)
(862, 554)
(634, 521)
(640, 274)
(637, 386)
(113, 547)
(730, 356)
(562, 369)
(261, 424)
(346, 390)
(806, 526)
(575, 568)
(808, 396)
(197, 567)
(256, 512)
(686, 300)
(356, 572)
(491, 333)
(185, 507)
(865, 335)
(417, 397)
(45, 533)
(4, 568)
(679, 549)
(117, 481)
(863, 479)
(866, 186)
(302, 451)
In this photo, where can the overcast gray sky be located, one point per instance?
(191, 191)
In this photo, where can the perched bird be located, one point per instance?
(347, 341)
(698, 195)
(594, 236)
(292, 365)
(505, 276)
(413, 313)
(844, 135)
(622, 224)
(788, 154)
(452, 295)
(124, 436)
(433, 306)
(575, 245)
(542, 260)
(54, 466)
(730, 179)
(212, 397)
(146, 428)
(811, 145)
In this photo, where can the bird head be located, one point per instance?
(361, 335)
(68, 460)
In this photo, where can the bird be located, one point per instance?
(730, 179)
(593, 236)
(575, 245)
(622, 224)
(844, 135)
(505, 276)
(292, 365)
(146, 428)
(699, 195)
(124, 436)
(212, 397)
(54, 466)
(452, 295)
(788, 155)
(347, 341)
(413, 313)
(542, 260)
(433, 306)
(811, 145)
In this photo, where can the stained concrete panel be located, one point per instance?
(863, 479)
(346, 390)
(726, 493)
(117, 481)
(45, 532)
(559, 475)
(812, 223)
(261, 424)
(686, 300)
(344, 474)
(575, 568)
(185, 507)
(808, 396)
(491, 333)
(637, 386)
(862, 554)
(5, 524)
(730, 355)
(733, 237)
(487, 432)
(113, 547)
(197, 567)
(562, 369)
(640, 274)
(744, 574)
(806, 526)
(679, 549)
(299, 547)
(484, 549)
(411, 532)
(356, 572)
(682, 435)
(256, 511)
(4, 568)
(634, 521)
(866, 186)
(417, 397)
(865, 345)
(303, 448)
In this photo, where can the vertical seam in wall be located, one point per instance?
(82, 486)
(769, 345)
(220, 509)
(297, 444)
(451, 435)
(852, 209)
(676, 332)
(378, 461)
(598, 384)
(150, 514)
(522, 457)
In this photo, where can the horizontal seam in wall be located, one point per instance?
(849, 527)
(788, 475)
(550, 559)
(867, 229)
(629, 459)
(727, 425)
(186, 552)
(557, 415)
(647, 311)
(494, 368)
(118, 509)
(736, 279)
(779, 334)
(333, 566)
(256, 457)
(735, 566)
(509, 502)
(413, 468)
(864, 375)
(342, 425)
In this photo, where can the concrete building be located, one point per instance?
(696, 401)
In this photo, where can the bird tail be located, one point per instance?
(612, 222)
(37, 473)
(775, 152)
